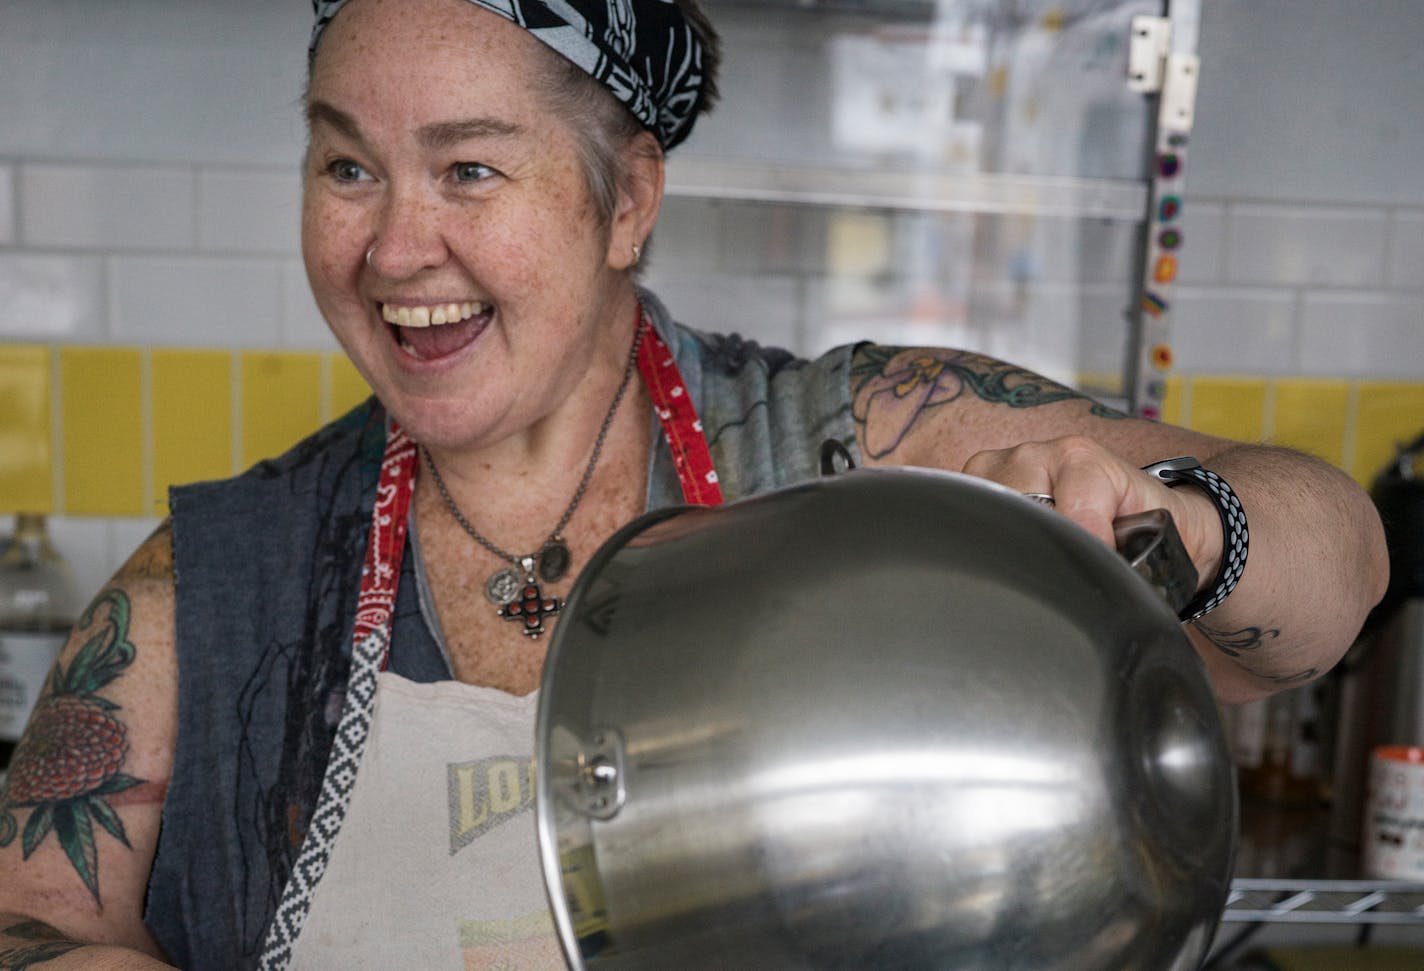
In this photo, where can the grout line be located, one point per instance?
(1268, 410)
(235, 403)
(195, 208)
(56, 430)
(325, 389)
(1352, 418)
(12, 176)
(146, 434)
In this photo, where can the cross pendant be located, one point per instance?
(530, 608)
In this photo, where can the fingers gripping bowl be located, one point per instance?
(889, 719)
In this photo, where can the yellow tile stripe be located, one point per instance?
(104, 431)
(101, 395)
(26, 432)
(281, 401)
(128, 422)
(192, 419)
(1355, 425)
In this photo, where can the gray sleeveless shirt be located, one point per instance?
(267, 569)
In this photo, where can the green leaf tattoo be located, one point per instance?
(49, 944)
(68, 761)
(893, 388)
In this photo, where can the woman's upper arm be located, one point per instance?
(80, 812)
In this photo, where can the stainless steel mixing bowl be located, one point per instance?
(891, 719)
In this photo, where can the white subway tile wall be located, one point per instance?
(1406, 262)
(1281, 245)
(153, 198)
(1358, 334)
(1203, 255)
(51, 296)
(302, 323)
(249, 211)
(195, 300)
(1256, 325)
(7, 204)
(107, 207)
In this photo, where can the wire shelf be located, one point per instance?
(1325, 902)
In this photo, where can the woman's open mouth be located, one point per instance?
(428, 332)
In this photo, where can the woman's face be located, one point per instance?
(491, 281)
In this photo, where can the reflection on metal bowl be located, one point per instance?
(890, 719)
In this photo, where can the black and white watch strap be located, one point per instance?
(1234, 534)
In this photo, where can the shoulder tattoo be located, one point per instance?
(72, 755)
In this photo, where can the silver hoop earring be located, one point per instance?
(637, 253)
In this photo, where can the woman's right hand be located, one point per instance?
(81, 807)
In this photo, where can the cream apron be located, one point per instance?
(428, 856)
(437, 865)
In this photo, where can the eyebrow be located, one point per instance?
(447, 134)
(436, 135)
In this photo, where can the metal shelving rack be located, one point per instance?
(1351, 902)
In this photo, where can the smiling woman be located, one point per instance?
(339, 695)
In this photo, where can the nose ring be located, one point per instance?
(368, 255)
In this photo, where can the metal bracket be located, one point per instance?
(1179, 93)
(1149, 43)
(599, 791)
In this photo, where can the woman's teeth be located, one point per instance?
(443, 313)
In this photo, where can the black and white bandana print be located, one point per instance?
(644, 51)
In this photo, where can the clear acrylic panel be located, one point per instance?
(963, 173)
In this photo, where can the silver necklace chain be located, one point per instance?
(519, 561)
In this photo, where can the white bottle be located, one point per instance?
(37, 610)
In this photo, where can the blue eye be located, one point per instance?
(471, 171)
(345, 170)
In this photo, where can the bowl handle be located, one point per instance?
(1150, 543)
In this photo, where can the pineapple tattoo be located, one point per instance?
(70, 759)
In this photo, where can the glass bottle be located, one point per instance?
(1281, 764)
(37, 609)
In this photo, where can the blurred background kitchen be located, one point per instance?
(973, 173)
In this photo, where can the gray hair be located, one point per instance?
(603, 125)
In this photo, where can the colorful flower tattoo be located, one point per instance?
(70, 759)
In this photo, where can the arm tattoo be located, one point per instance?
(69, 761)
(1242, 643)
(1234, 643)
(46, 944)
(891, 388)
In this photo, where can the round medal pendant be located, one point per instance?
(504, 586)
(554, 561)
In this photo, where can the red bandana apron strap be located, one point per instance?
(386, 541)
(681, 426)
(385, 544)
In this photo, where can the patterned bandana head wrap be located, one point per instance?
(644, 51)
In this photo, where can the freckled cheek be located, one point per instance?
(330, 248)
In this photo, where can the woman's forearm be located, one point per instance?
(1317, 565)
